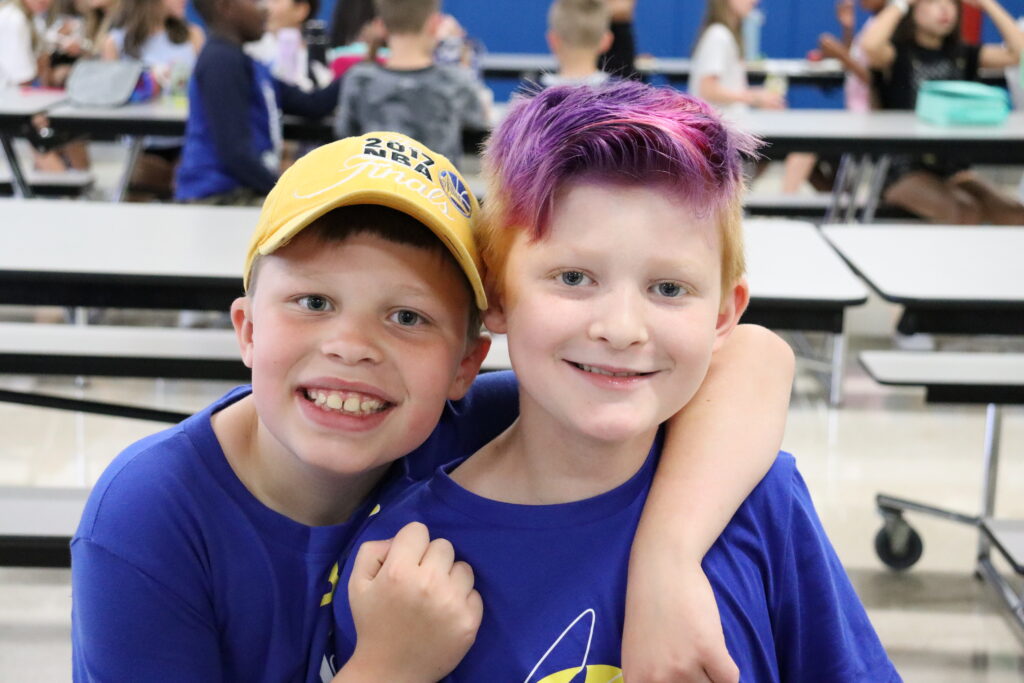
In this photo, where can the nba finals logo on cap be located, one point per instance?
(399, 152)
(457, 193)
(382, 168)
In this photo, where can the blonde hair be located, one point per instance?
(719, 12)
(579, 23)
(405, 16)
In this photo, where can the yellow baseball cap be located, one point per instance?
(386, 169)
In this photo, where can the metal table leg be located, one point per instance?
(18, 182)
(134, 149)
(878, 176)
(835, 385)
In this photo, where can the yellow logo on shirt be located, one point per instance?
(333, 580)
(596, 673)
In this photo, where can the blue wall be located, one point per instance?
(666, 28)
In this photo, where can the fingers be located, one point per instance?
(439, 556)
(409, 545)
(369, 560)
(462, 578)
(721, 669)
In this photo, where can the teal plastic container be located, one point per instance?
(962, 103)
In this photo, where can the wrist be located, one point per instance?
(902, 5)
(363, 669)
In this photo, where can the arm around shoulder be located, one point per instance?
(716, 451)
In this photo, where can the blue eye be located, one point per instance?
(573, 278)
(407, 318)
(670, 290)
(315, 303)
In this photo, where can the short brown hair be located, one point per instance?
(405, 16)
(580, 23)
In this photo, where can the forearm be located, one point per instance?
(311, 105)
(720, 446)
(712, 90)
(1012, 36)
(877, 37)
(858, 70)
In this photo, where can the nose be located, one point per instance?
(351, 341)
(619, 319)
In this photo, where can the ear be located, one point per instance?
(433, 25)
(376, 30)
(241, 319)
(553, 43)
(494, 317)
(302, 12)
(606, 42)
(469, 366)
(734, 303)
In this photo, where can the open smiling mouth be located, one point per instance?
(346, 402)
(593, 369)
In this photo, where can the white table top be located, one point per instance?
(916, 368)
(786, 259)
(922, 263)
(670, 66)
(839, 124)
(163, 109)
(38, 511)
(127, 239)
(20, 102)
(791, 260)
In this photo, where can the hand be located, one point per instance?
(831, 46)
(766, 99)
(622, 10)
(845, 14)
(449, 27)
(414, 607)
(673, 632)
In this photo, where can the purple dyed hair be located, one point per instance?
(621, 131)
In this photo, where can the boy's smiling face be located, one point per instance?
(354, 347)
(612, 317)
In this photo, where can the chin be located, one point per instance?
(610, 429)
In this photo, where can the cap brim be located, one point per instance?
(392, 201)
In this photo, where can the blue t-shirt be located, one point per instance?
(233, 132)
(553, 583)
(219, 156)
(180, 573)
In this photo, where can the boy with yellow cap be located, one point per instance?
(208, 551)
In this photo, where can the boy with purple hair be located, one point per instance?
(613, 246)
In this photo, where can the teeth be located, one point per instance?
(600, 371)
(345, 402)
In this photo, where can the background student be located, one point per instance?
(233, 138)
(912, 41)
(857, 91)
(718, 74)
(283, 47)
(578, 33)
(413, 94)
(156, 33)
